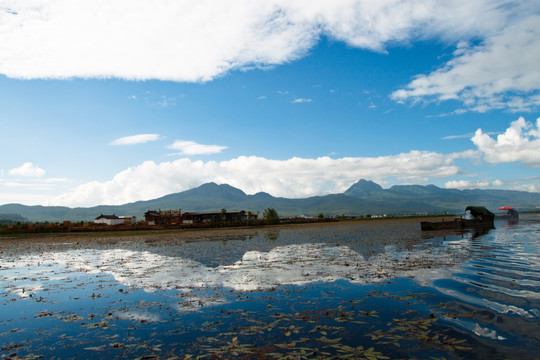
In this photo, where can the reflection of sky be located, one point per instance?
(498, 272)
(283, 265)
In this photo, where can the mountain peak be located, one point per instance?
(219, 190)
(363, 187)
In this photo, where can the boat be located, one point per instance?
(476, 217)
(511, 215)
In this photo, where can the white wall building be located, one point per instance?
(109, 220)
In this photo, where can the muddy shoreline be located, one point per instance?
(191, 234)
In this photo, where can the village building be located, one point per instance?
(129, 220)
(152, 217)
(163, 217)
(108, 220)
(227, 216)
(115, 220)
(167, 217)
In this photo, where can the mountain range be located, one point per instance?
(362, 198)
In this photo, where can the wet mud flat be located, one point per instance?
(370, 289)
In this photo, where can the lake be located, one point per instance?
(379, 289)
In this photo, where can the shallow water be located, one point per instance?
(359, 290)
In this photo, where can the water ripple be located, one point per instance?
(501, 280)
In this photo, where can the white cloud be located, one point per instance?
(500, 73)
(28, 170)
(295, 177)
(468, 184)
(520, 142)
(163, 102)
(528, 187)
(31, 190)
(169, 40)
(24, 198)
(193, 148)
(135, 139)
(301, 100)
(199, 40)
(465, 136)
(524, 184)
(27, 185)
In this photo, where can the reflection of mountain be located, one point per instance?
(282, 265)
(209, 252)
(368, 239)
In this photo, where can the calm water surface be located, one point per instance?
(379, 290)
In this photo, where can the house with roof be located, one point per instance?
(163, 217)
(115, 220)
(176, 217)
(227, 216)
(108, 220)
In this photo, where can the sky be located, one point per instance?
(111, 102)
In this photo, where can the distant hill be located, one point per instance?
(362, 198)
(12, 219)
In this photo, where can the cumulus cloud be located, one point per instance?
(500, 73)
(520, 142)
(528, 187)
(468, 184)
(193, 148)
(301, 100)
(169, 40)
(28, 169)
(295, 177)
(199, 40)
(523, 184)
(135, 139)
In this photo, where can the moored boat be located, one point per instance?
(476, 216)
(511, 215)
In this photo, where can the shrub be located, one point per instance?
(270, 216)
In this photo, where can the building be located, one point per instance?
(227, 216)
(129, 220)
(152, 217)
(109, 220)
(175, 217)
(163, 217)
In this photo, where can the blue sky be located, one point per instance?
(112, 103)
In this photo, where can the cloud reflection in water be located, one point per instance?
(296, 264)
